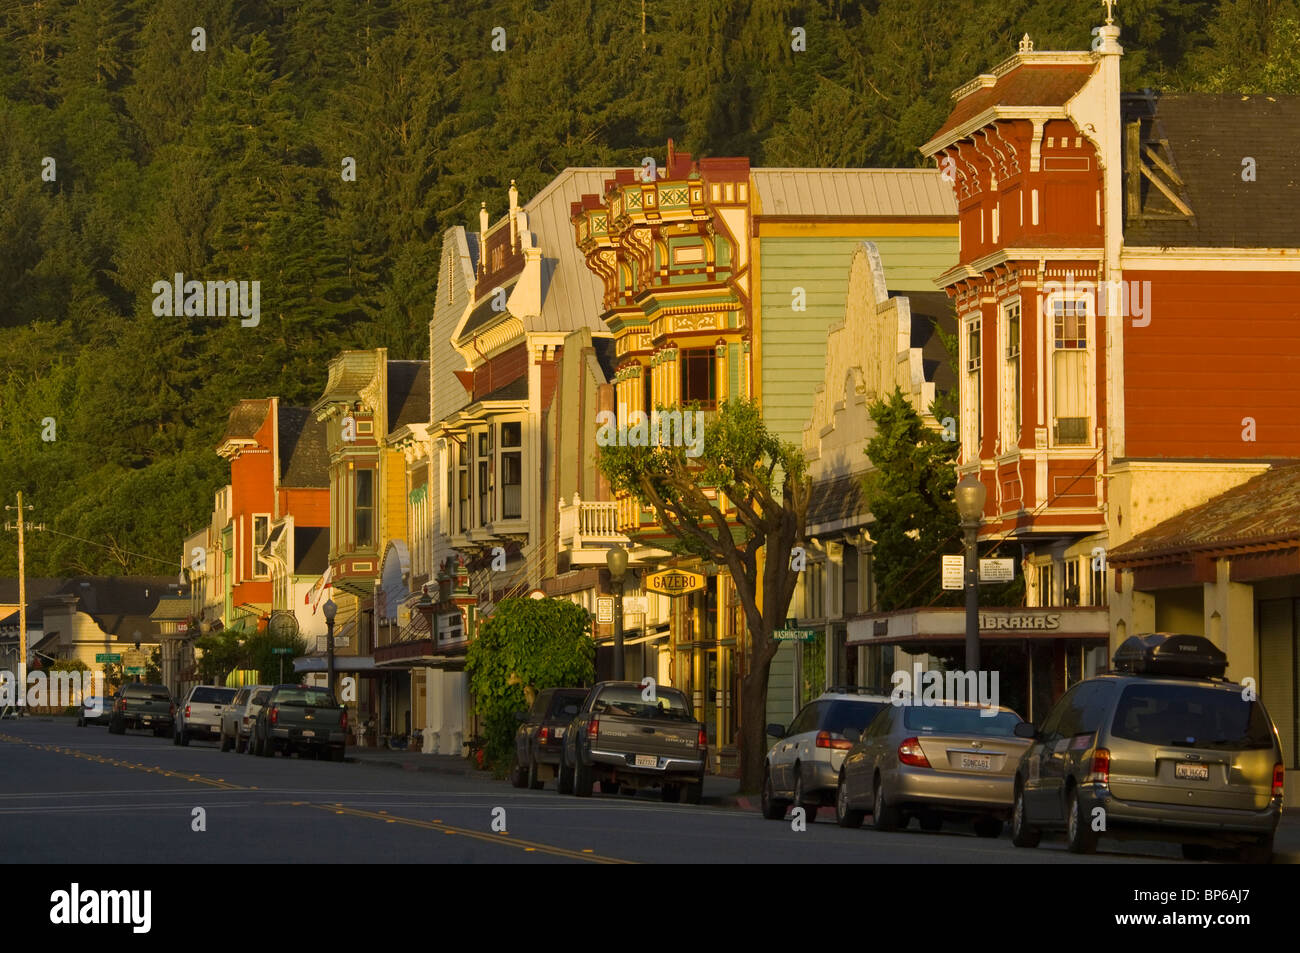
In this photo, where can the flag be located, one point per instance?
(314, 594)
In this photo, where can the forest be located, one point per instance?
(141, 139)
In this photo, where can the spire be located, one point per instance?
(514, 212)
(1026, 44)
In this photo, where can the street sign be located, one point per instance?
(605, 609)
(997, 570)
(953, 568)
(108, 657)
(795, 635)
(281, 651)
(674, 582)
(135, 670)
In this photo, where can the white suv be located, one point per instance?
(804, 766)
(199, 716)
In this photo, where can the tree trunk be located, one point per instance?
(753, 712)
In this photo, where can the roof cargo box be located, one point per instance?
(1161, 653)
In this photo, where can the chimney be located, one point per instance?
(514, 211)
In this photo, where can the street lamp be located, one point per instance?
(616, 560)
(330, 610)
(970, 507)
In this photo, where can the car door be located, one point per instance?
(858, 764)
(787, 749)
(1048, 805)
(528, 728)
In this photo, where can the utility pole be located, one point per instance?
(21, 688)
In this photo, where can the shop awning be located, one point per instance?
(342, 663)
(948, 625)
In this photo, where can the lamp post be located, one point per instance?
(330, 610)
(970, 495)
(616, 560)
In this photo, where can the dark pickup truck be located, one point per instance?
(304, 719)
(142, 706)
(634, 738)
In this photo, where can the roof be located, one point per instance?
(854, 193)
(1261, 510)
(172, 609)
(120, 605)
(837, 500)
(486, 310)
(1209, 135)
(517, 389)
(311, 549)
(408, 393)
(246, 419)
(350, 373)
(1028, 84)
(304, 458)
(572, 293)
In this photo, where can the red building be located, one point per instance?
(1126, 295)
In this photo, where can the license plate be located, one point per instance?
(647, 761)
(146, 719)
(559, 732)
(309, 734)
(976, 762)
(1192, 772)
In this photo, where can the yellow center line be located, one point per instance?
(496, 838)
(129, 765)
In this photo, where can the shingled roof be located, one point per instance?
(304, 458)
(408, 393)
(1265, 509)
(1028, 84)
(245, 419)
(1209, 138)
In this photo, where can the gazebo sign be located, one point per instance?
(674, 582)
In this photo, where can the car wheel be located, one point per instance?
(1023, 834)
(609, 787)
(627, 791)
(563, 777)
(988, 827)
(772, 808)
(1080, 837)
(670, 793)
(266, 748)
(535, 783)
(800, 798)
(240, 745)
(160, 733)
(1257, 853)
(185, 737)
(845, 816)
(115, 726)
(516, 773)
(693, 792)
(931, 822)
(884, 816)
(582, 776)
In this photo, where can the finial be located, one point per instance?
(1110, 12)
(1026, 44)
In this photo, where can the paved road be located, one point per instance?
(74, 795)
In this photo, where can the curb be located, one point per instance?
(418, 766)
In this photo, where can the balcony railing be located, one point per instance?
(584, 524)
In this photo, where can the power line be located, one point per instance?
(113, 549)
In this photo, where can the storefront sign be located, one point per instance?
(1020, 620)
(674, 582)
(997, 570)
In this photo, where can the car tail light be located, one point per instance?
(544, 736)
(1099, 773)
(825, 740)
(121, 704)
(273, 716)
(187, 711)
(1277, 779)
(703, 741)
(909, 752)
(593, 728)
(343, 722)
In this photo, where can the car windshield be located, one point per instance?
(1191, 716)
(213, 696)
(628, 701)
(844, 715)
(959, 720)
(148, 691)
(307, 697)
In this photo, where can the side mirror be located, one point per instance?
(776, 731)
(1025, 730)
(853, 735)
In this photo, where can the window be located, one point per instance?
(512, 470)
(1071, 568)
(1046, 579)
(699, 382)
(646, 383)
(814, 579)
(1098, 589)
(1011, 397)
(974, 419)
(484, 458)
(463, 493)
(1071, 415)
(364, 509)
(261, 530)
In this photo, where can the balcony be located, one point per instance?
(587, 530)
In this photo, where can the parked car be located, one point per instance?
(935, 761)
(237, 717)
(540, 738)
(143, 706)
(199, 715)
(624, 741)
(301, 718)
(1163, 748)
(96, 710)
(803, 767)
